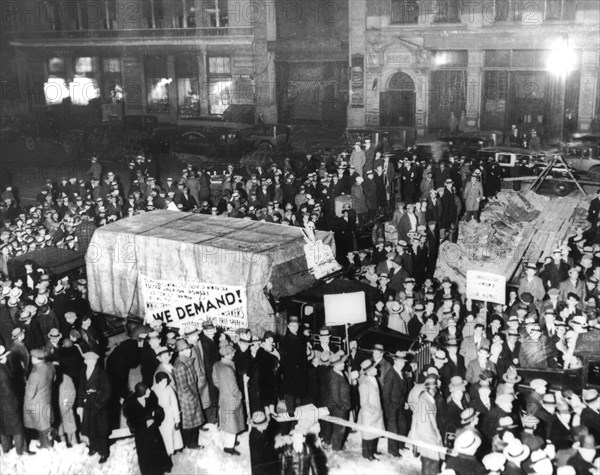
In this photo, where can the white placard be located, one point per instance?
(342, 309)
(180, 304)
(320, 259)
(486, 286)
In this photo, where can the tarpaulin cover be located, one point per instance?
(177, 246)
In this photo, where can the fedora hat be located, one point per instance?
(516, 451)
(456, 382)
(366, 365)
(505, 423)
(182, 344)
(467, 443)
(54, 333)
(468, 415)
(378, 347)
(440, 355)
(511, 376)
(259, 418)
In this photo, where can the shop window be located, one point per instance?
(450, 59)
(55, 87)
(188, 87)
(497, 59)
(157, 85)
(112, 85)
(447, 11)
(219, 84)
(404, 12)
(219, 66)
(448, 92)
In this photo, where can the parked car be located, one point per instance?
(468, 144)
(582, 156)
(587, 137)
(433, 151)
(265, 137)
(33, 133)
(399, 138)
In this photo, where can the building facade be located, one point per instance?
(171, 58)
(489, 63)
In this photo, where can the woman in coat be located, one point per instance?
(144, 416)
(473, 195)
(169, 428)
(424, 427)
(37, 406)
(371, 413)
(92, 401)
(231, 409)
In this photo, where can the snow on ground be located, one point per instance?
(210, 460)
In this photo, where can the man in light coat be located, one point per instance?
(371, 413)
(532, 284)
(231, 408)
(424, 426)
(38, 413)
(358, 159)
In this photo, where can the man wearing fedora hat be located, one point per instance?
(38, 397)
(531, 283)
(294, 365)
(12, 430)
(590, 415)
(186, 387)
(424, 426)
(263, 458)
(339, 402)
(395, 403)
(465, 462)
(371, 413)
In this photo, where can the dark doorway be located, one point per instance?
(397, 104)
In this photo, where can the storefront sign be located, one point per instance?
(400, 59)
(486, 287)
(180, 304)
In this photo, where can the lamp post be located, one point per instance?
(560, 62)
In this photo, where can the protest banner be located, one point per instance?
(180, 304)
(486, 287)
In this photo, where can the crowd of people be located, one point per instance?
(464, 411)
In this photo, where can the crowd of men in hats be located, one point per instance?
(436, 195)
(59, 381)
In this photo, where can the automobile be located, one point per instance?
(467, 144)
(399, 138)
(32, 133)
(266, 137)
(511, 159)
(587, 137)
(582, 156)
(433, 151)
(209, 144)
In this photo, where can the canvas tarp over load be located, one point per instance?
(218, 266)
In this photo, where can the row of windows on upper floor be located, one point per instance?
(490, 11)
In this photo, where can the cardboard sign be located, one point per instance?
(486, 286)
(181, 304)
(320, 259)
(342, 309)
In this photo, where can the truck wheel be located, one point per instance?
(595, 171)
(562, 188)
(30, 143)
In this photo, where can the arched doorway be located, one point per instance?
(397, 104)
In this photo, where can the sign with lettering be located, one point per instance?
(180, 304)
(320, 259)
(486, 286)
(401, 59)
(357, 81)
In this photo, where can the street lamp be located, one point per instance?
(561, 61)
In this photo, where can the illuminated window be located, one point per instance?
(111, 79)
(55, 88)
(84, 86)
(188, 90)
(219, 84)
(157, 82)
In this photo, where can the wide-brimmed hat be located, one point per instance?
(511, 376)
(54, 333)
(378, 347)
(580, 321)
(182, 344)
(440, 355)
(456, 382)
(494, 461)
(589, 395)
(516, 451)
(366, 365)
(259, 418)
(467, 443)
(468, 415)
(395, 307)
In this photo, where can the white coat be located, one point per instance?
(168, 401)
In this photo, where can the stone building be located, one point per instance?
(496, 63)
(170, 58)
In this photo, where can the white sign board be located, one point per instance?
(320, 259)
(486, 286)
(180, 304)
(342, 309)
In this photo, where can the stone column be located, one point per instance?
(265, 30)
(357, 14)
(203, 81)
(172, 88)
(587, 89)
(474, 88)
